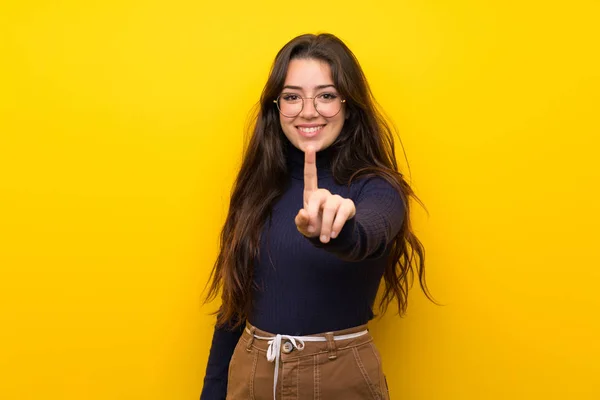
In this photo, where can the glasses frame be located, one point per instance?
(314, 99)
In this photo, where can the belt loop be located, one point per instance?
(331, 346)
(251, 340)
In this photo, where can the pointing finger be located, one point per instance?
(310, 172)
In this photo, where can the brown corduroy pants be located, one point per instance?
(348, 369)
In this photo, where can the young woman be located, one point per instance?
(319, 214)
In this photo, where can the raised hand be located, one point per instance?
(324, 214)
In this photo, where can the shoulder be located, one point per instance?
(378, 191)
(374, 185)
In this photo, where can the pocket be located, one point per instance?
(240, 374)
(234, 356)
(344, 377)
(369, 362)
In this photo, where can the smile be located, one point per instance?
(309, 131)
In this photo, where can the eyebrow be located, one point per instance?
(316, 87)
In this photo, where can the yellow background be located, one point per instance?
(121, 129)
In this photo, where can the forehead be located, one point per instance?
(308, 73)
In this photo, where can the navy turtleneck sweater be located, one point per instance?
(307, 287)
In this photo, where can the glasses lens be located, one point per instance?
(328, 104)
(289, 104)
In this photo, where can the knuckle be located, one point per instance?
(330, 207)
(335, 199)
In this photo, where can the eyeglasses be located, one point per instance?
(291, 105)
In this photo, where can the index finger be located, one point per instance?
(310, 169)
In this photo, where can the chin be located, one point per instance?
(304, 144)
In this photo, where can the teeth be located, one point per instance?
(310, 130)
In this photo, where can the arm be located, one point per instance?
(378, 219)
(215, 381)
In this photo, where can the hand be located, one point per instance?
(324, 214)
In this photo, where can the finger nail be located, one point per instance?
(323, 238)
(311, 228)
(333, 234)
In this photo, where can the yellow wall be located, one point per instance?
(121, 130)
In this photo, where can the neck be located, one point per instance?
(295, 161)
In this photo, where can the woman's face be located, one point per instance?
(311, 78)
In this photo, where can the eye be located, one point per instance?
(290, 97)
(328, 97)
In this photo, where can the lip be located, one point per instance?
(309, 134)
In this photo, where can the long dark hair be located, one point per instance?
(365, 147)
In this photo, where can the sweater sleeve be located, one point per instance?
(223, 344)
(379, 216)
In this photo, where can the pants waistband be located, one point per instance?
(277, 343)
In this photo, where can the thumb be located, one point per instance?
(302, 221)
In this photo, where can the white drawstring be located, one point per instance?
(274, 349)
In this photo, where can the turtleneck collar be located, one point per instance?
(295, 161)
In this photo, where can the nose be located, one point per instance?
(308, 110)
